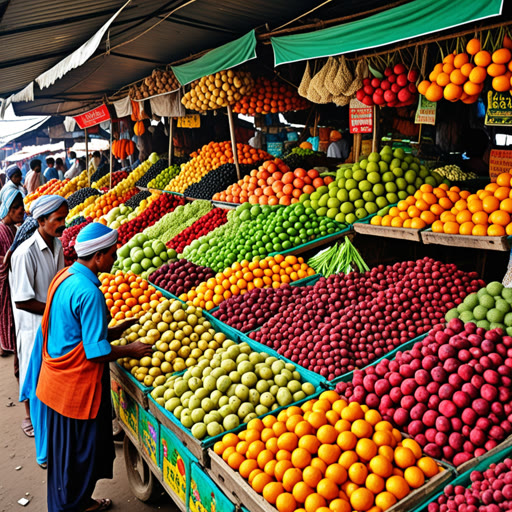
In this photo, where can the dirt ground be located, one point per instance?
(21, 477)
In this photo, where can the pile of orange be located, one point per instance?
(127, 295)
(245, 276)
(461, 76)
(422, 209)
(211, 156)
(270, 97)
(105, 203)
(327, 456)
(49, 188)
(273, 183)
(486, 213)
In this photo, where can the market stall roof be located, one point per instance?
(32, 151)
(12, 127)
(35, 35)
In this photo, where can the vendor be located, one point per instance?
(14, 178)
(339, 147)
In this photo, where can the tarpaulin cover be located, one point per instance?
(413, 19)
(224, 57)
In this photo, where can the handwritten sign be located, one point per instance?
(500, 161)
(190, 121)
(499, 108)
(93, 117)
(426, 111)
(360, 117)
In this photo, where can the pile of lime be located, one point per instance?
(490, 308)
(361, 189)
(258, 230)
(162, 180)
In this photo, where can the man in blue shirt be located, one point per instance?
(51, 172)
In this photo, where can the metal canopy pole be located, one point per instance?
(171, 145)
(87, 157)
(233, 141)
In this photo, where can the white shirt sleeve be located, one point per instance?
(22, 277)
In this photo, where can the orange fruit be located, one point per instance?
(280, 469)
(381, 465)
(285, 502)
(428, 466)
(385, 500)
(490, 204)
(329, 453)
(348, 458)
(434, 92)
(300, 458)
(303, 428)
(382, 438)
(496, 230)
(483, 58)
(314, 501)
(397, 486)
(270, 467)
(312, 475)
(414, 477)
(366, 449)
(480, 230)
(301, 491)
(480, 217)
(361, 499)
(291, 477)
(254, 449)
(293, 420)
(438, 227)
(362, 429)
(372, 416)
(499, 217)
(413, 446)
(506, 205)
(340, 505)
(375, 483)
(310, 443)
(287, 441)
(330, 395)
(451, 227)
(473, 46)
(235, 460)
(327, 488)
(327, 434)
(352, 412)
(317, 419)
(501, 83)
(318, 463)
(260, 481)
(452, 92)
(357, 473)
(503, 179)
(337, 473)
(247, 467)
(501, 56)
(272, 490)
(263, 457)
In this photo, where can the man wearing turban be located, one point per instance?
(14, 177)
(33, 266)
(73, 350)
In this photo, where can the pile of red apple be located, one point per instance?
(348, 321)
(68, 240)
(213, 219)
(154, 212)
(397, 89)
(490, 491)
(451, 392)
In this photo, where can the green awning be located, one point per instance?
(225, 57)
(414, 19)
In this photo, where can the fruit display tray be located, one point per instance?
(225, 205)
(239, 490)
(481, 464)
(493, 243)
(130, 384)
(153, 189)
(365, 228)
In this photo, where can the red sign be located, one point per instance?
(360, 117)
(93, 117)
(499, 161)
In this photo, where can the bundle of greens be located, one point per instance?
(340, 258)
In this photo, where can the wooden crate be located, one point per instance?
(239, 490)
(131, 385)
(364, 228)
(195, 446)
(492, 243)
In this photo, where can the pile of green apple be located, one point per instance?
(143, 256)
(363, 188)
(230, 386)
(118, 216)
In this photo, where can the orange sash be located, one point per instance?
(69, 384)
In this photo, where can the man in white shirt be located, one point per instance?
(33, 266)
(339, 147)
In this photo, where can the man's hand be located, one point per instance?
(138, 350)
(117, 330)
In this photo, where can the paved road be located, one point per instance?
(17, 450)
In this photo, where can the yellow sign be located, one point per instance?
(499, 108)
(191, 121)
(129, 412)
(173, 477)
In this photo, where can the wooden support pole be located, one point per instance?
(233, 141)
(171, 145)
(87, 157)
(357, 146)
(111, 156)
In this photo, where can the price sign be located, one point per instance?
(191, 121)
(93, 117)
(360, 117)
(499, 108)
(500, 161)
(426, 111)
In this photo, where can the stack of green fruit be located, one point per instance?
(455, 173)
(361, 189)
(258, 230)
(162, 180)
(230, 386)
(489, 308)
(180, 335)
(143, 256)
(118, 216)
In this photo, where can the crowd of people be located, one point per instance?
(54, 322)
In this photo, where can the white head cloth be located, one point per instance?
(93, 238)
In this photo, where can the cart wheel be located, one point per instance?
(142, 482)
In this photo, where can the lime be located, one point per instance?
(359, 175)
(363, 164)
(378, 189)
(359, 203)
(381, 201)
(395, 163)
(410, 177)
(371, 207)
(333, 203)
(390, 187)
(350, 218)
(342, 195)
(351, 184)
(373, 167)
(392, 198)
(373, 177)
(347, 208)
(369, 196)
(388, 176)
(354, 194)
(365, 186)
